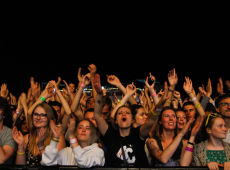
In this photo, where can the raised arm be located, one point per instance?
(116, 82)
(188, 89)
(101, 123)
(173, 79)
(164, 156)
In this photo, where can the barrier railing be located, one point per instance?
(22, 167)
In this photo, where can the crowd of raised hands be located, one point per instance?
(141, 128)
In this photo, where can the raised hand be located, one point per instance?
(79, 75)
(4, 90)
(172, 77)
(56, 131)
(209, 88)
(111, 79)
(197, 127)
(41, 136)
(131, 89)
(71, 127)
(13, 99)
(97, 84)
(220, 87)
(59, 81)
(186, 127)
(18, 137)
(86, 79)
(150, 87)
(188, 85)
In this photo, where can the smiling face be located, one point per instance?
(40, 118)
(218, 129)
(71, 87)
(168, 120)
(124, 118)
(181, 119)
(140, 117)
(24, 127)
(224, 109)
(83, 131)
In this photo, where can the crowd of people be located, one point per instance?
(143, 130)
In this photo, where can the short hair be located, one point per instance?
(188, 103)
(88, 110)
(221, 97)
(210, 108)
(55, 103)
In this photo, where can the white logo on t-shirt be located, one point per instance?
(128, 151)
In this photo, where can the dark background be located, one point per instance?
(126, 38)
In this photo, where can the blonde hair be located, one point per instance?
(32, 144)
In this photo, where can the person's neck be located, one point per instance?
(215, 143)
(124, 132)
(38, 129)
(167, 134)
(227, 122)
(135, 125)
(1, 126)
(83, 144)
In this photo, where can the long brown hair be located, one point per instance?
(33, 132)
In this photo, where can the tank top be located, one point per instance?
(174, 160)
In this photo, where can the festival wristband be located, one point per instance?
(83, 85)
(189, 149)
(42, 98)
(21, 153)
(154, 94)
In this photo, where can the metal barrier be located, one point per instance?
(22, 167)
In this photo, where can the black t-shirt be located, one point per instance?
(133, 148)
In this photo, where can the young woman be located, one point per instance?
(213, 152)
(166, 147)
(125, 145)
(139, 115)
(84, 151)
(181, 119)
(32, 145)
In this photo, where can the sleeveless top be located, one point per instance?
(174, 160)
(30, 158)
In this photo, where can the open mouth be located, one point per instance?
(124, 119)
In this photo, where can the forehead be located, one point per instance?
(56, 107)
(84, 123)
(90, 99)
(188, 107)
(227, 100)
(218, 121)
(168, 112)
(89, 114)
(39, 109)
(179, 113)
(71, 84)
(140, 110)
(124, 109)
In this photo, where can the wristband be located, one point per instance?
(74, 140)
(198, 106)
(193, 99)
(121, 103)
(167, 101)
(55, 140)
(191, 143)
(158, 109)
(83, 85)
(189, 149)
(154, 113)
(21, 153)
(180, 101)
(170, 90)
(42, 98)
(16, 112)
(154, 94)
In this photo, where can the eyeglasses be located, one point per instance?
(42, 115)
(225, 104)
(213, 115)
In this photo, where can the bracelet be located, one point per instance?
(42, 98)
(154, 113)
(167, 101)
(198, 106)
(121, 103)
(21, 153)
(193, 99)
(189, 149)
(83, 85)
(16, 112)
(191, 143)
(55, 140)
(170, 90)
(180, 101)
(74, 140)
(154, 94)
